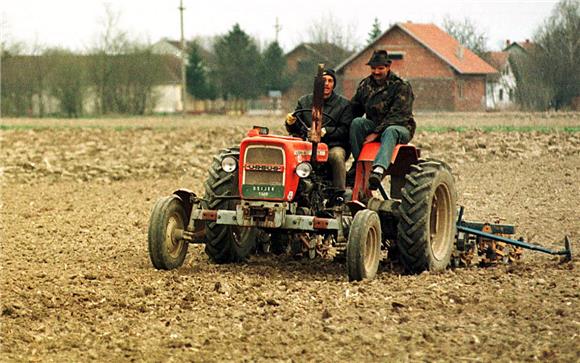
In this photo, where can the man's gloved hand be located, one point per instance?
(322, 132)
(290, 119)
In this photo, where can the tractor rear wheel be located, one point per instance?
(426, 228)
(225, 243)
(363, 250)
(166, 249)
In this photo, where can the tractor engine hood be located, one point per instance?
(267, 166)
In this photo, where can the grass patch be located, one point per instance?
(427, 122)
(499, 128)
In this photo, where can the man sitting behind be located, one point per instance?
(334, 135)
(387, 102)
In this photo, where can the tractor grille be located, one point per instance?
(263, 172)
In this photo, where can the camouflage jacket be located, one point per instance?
(338, 108)
(386, 103)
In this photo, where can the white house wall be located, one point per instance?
(505, 83)
(168, 98)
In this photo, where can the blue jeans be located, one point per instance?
(393, 135)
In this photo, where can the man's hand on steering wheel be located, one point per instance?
(329, 122)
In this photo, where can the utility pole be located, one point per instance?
(181, 9)
(277, 27)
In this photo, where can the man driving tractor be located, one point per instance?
(335, 135)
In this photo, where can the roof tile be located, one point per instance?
(447, 48)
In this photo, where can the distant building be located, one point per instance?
(169, 47)
(173, 47)
(444, 75)
(170, 93)
(302, 63)
(308, 53)
(500, 87)
(519, 47)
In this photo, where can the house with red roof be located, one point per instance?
(519, 47)
(301, 63)
(445, 76)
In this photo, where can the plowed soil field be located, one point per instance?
(77, 285)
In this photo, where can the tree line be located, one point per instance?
(118, 75)
(547, 72)
(236, 69)
(114, 84)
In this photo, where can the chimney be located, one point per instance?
(527, 41)
(459, 52)
(507, 42)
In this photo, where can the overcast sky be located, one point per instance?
(74, 24)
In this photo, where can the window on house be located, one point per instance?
(501, 94)
(511, 95)
(460, 86)
(395, 56)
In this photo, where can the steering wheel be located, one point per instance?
(330, 121)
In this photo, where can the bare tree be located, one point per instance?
(330, 30)
(66, 80)
(531, 91)
(110, 41)
(123, 71)
(467, 34)
(17, 95)
(557, 52)
(23, 81)
(135, 73)
(547, 70)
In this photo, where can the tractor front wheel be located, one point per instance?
(167, 249)
(426, 228)
(363, 250)
(224, 243)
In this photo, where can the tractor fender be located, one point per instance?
(190, 199)
(404, 155)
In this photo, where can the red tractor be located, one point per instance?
(275, 191)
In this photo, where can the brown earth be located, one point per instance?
(77, 283)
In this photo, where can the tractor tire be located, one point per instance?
(427, 223)
(224, 243)
(165, 250)
(363, 249)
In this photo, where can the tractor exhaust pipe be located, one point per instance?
(315, 134)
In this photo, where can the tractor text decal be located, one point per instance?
(264, 167)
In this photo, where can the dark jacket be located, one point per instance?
(386, 103)
(338, 108)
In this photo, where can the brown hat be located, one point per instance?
(379, 58)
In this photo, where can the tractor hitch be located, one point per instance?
(493, 233)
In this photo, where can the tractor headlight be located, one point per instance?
(229, 164)
(304, 169)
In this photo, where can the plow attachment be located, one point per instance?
(487, 244)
